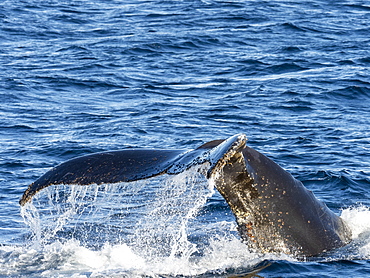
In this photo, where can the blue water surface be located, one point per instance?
(84, 76)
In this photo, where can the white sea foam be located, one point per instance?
(70, 259)
(358, 219)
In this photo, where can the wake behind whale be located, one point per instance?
(274, 212)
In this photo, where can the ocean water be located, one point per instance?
(84, 76)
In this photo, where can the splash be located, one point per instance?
(175, 204)
(358, 219)
(154, 228)
(146, 228)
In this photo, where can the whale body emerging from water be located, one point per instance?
(275, 213)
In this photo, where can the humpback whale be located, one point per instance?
(274, 212)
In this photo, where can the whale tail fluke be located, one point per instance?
(131, 165)
(273, 210)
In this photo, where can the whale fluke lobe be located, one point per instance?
(106, 167)
(273, 210)
(130, 165)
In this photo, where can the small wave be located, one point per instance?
(70, 18)
(284, 68)
(76, 84)
(350, 93)
(295, 105)
(359, 7)
(162, 15)
(292, 26)
(291, 49)
(73, 49)
(365, 60)
(18, 128)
